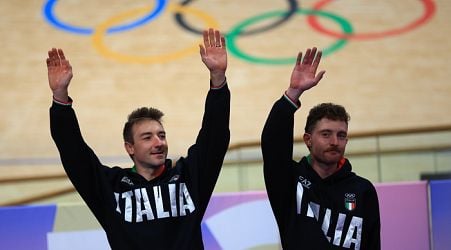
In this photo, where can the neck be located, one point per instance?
(322, 169)
(150, 173)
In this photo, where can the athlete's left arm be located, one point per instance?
(213, 139)
(206, 156)
(372, 225)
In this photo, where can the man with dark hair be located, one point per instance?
(318, 202)
(155, 204)
(325, 110)
(139, 115)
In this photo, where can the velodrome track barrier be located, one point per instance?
(440, 199)
(414, 215)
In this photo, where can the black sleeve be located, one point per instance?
(79, 161)
(206, 156)
(277, 150)
(372, 229)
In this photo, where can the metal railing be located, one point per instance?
(381, 156)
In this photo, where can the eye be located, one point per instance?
(325, 134)
(342, 136)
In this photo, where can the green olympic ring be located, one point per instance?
(231, 37)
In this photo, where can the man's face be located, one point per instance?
(327, 142)
(150, 148)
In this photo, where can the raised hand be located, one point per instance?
(304, 74)
(214, 55)
(59, 74)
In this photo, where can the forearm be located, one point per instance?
(217, 108)
(213, 139)
(79, 161)
(277, 135)
(277, 150)
(64, 126)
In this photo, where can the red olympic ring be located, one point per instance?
(429, 10)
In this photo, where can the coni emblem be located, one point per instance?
(350, 201)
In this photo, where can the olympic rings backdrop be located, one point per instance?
(180, 10)
(386, 61)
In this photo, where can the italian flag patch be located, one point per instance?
(350, 201)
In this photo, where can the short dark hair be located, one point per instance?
(138, 115)
(330, 111)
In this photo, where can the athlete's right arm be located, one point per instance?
(79, 161)
(277, 150)
(277, 135)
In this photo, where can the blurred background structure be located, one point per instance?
(386, 62)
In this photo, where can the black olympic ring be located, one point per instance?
(293, 7)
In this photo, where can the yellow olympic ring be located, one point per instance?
(102, 28)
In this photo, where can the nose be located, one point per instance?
(334, 140)
(158, 141)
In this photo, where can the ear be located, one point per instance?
(129, 148)
(307, 140)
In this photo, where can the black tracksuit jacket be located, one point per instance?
(164, 213)
(338, 212)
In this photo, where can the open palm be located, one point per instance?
(59, 70)
(304, 74)
(214, 55)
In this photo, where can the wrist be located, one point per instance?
(217, 78)
(295, 102)
(65, 103)
(61, 96)
(218, 86)
(293, 94)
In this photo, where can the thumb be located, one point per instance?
(202, 50)
(319, 76)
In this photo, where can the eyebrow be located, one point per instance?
(150, 133)
(330, 130)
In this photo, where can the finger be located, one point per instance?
(317, 59)
(306, 56)
(61, 54)
(313, 53)
(54, 58)
(319, 76)
(311, 56)
(217, 38)
(49, 60)
(298, 59)
(211, 37)
(205, 34)
(223, 41)
(201, 51)
(51, 53)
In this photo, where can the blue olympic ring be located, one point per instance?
(51, 18)
(293, 7)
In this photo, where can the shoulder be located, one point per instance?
(115, 171)
(365, 186)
